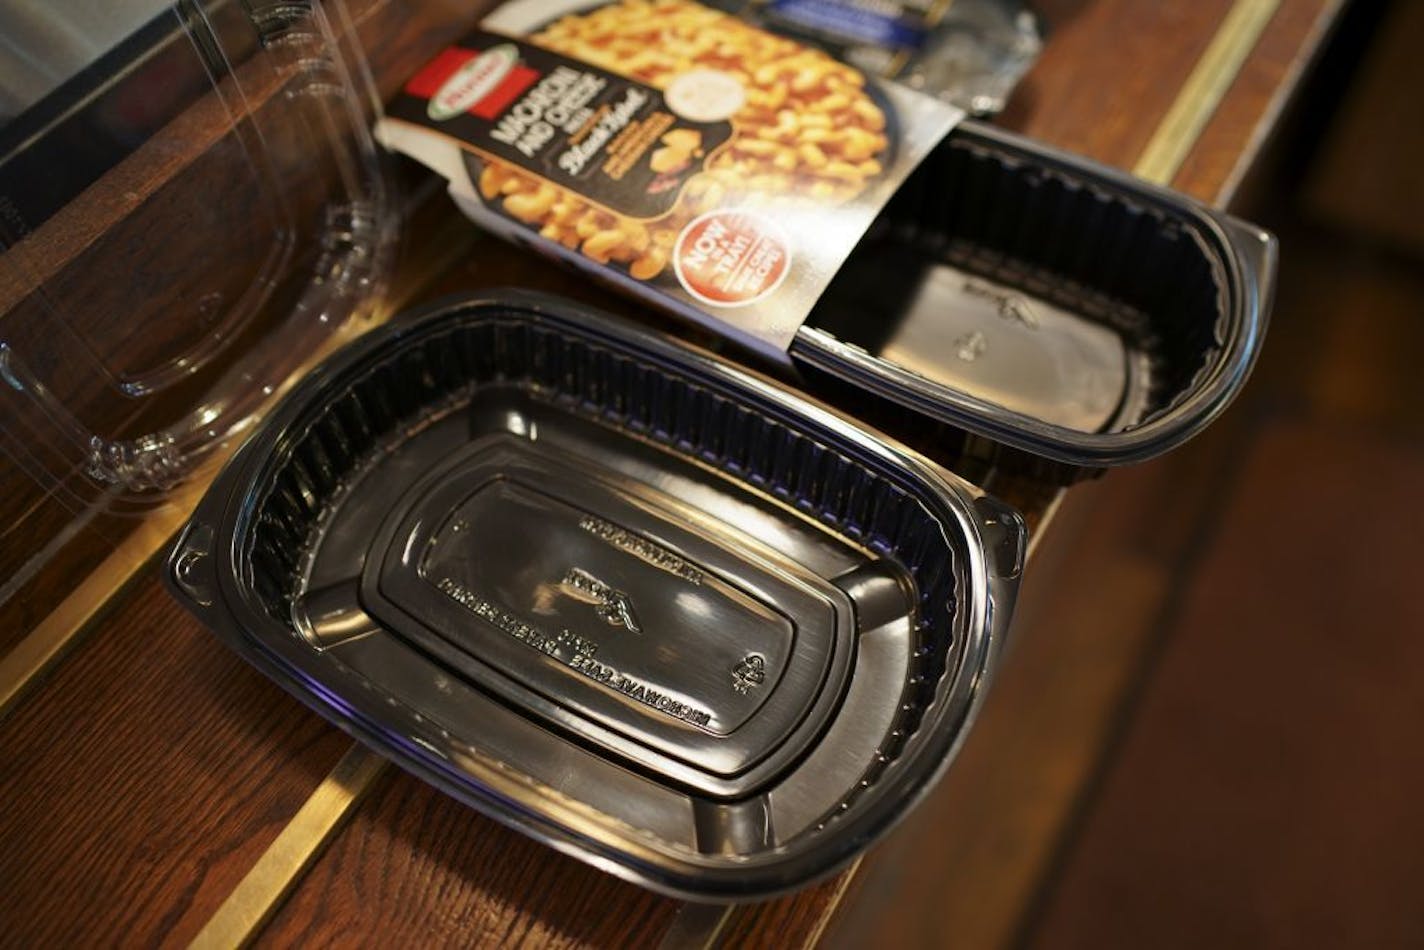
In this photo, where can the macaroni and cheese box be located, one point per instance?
(716, 170)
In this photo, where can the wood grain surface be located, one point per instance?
(138, 785)
(1383, 204)
(416, 871)
(1286, 813)
(142, 820)
(1217, 165)
(1263, 792)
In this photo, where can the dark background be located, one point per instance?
(1260, 780)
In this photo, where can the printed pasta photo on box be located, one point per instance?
(712, 168)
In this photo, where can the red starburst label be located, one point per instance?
(731, 258)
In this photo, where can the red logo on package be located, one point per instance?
(463, 80)
(731, 258)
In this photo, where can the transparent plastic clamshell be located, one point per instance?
(183, 223)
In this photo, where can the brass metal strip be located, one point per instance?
(1266, 123)
(813, 939)
(263, 888)
(697, 927)
(1204, 89)
(44, 644)
(1050, 512)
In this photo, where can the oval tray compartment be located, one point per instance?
(642, 605)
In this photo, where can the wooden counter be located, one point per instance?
(154, 789)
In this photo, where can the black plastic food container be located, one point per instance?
(1055, 307)
(646, 607)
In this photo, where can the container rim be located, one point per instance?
(1248, 255)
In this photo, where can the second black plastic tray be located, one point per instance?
(1045, 302)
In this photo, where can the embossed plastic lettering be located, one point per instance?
(612, 605)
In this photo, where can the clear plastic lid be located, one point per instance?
(184, 221)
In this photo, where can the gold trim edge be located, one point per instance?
(265, 886)
(1213, 75)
